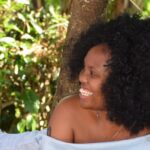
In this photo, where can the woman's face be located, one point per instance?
(93, 76)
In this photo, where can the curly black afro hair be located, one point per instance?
(127, 88)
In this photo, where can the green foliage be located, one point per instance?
(141, 7)
(30, 50)
(31, 101)
(146, 10)
(54, 3)
(27, 124)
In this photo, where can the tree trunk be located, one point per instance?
(83, 14)
(38, 4)
(120, 7)
(66, 6)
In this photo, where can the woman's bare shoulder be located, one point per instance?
(69, 101)
(61, 120)
(66, 105)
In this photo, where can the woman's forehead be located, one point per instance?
(97, 55)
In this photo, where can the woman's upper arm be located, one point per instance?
(60, 123)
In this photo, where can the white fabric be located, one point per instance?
(22, 141)
(142, 143)
(37, 140)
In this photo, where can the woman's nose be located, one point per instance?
(83, 76)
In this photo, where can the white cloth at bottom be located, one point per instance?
(37, 140)
(20, 141)
(141, 143)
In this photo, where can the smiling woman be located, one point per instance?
(93, 76)
(112, 62)
(112, 109)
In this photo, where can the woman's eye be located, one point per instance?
(89, 73)
(93, 74)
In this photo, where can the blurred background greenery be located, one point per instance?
(31, 40)
(32, 34)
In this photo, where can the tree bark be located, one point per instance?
(83, 14)
(38, 4)
(66, 6)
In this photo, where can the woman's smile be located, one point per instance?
(85, 93)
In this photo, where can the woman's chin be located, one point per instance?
(85, 97)
(85, 101)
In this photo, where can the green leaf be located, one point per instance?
(148, 6)
(2, 48)
(21, 17)
(27, 37)
(17, 113)
(31, 101)
(35, 25)
(31, 122)
(9, 41)
(3, 79)
(2, 2)
(21, 125)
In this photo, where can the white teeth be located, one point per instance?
(85, 92)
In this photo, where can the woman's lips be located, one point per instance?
(85, 92)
